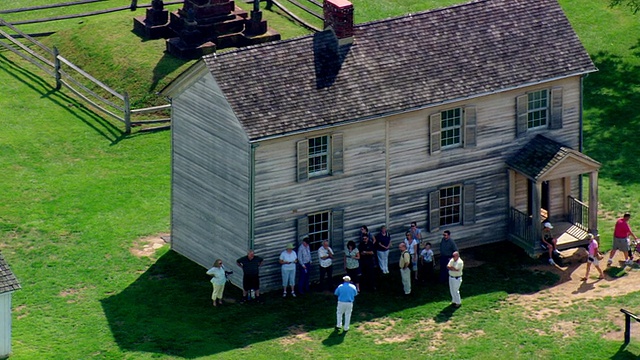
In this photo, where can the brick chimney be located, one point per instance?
(338, 14)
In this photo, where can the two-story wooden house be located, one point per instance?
(466, 118)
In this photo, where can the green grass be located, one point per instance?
(76, 194)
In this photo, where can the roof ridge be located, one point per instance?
(422, 12)
(364, 24)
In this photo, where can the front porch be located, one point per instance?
(545, 184)
(569, 234)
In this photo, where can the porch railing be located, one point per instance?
(520, 225)
(578, 213)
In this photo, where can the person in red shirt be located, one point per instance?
(621, 234)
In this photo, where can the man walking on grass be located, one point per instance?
(346, 294)
(621, 234)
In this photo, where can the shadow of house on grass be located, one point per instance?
(165, 66)
(168, 309)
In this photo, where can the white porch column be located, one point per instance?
(536, 198)
(512, 188)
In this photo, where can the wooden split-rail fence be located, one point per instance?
(311, 7)
(90, 90)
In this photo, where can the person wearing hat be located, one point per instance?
(288, 260)
(455, 267)
(346, 293)
(548, 241)
(405, 268)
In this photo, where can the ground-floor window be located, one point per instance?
(319, 229)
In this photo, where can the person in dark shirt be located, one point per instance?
(447, 248)
(367, 263)
(383, 243)
(250, 265)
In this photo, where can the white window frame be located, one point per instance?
(538, 112)
(323, 155)
(451, 205)
(319, 229)
(451, 127)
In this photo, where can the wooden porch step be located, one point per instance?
(569, 235)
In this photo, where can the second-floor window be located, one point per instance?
(537, 109)
(319, 156)
(451, 128)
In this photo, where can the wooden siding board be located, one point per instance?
(521, 200)
(5, 322)
(210, 177)
(360, 191)
(557, 199)
(413, 174)
(280, 200)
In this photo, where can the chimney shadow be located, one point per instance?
(328, 57)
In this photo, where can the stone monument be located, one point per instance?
(155, 24)
(202, 26)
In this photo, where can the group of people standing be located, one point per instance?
(416, 262)
(360, 263)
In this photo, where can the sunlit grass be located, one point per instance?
(76, 195)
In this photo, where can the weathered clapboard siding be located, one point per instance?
(414, 172)
(557, 199)
(522, 199)
(220, 207)
(5, 323)
(281, 200)
(210, 179)
(389, 167)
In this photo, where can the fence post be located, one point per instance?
(627, 328)
(56, 67)
(127, 113)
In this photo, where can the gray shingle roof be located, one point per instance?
(8, 281)
(400, 64)
(539, 155)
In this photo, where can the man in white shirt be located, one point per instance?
(325, 255)
(455, 267)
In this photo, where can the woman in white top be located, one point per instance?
(218, 280)
(288, 260)
(412, 248)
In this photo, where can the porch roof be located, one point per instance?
(539, 158)
(8, 281)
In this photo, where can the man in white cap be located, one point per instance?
(548, 241)
(346, 294)
(455, 267)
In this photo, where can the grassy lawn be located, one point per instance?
(76, 196)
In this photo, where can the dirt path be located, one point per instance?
(570, 290)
